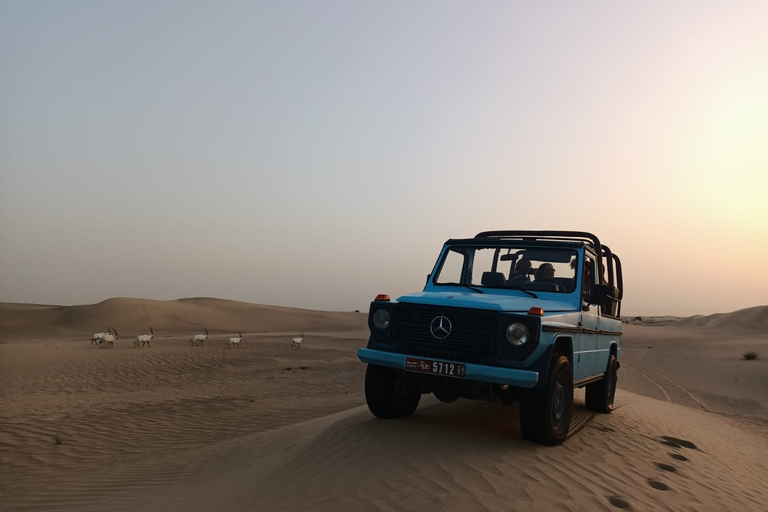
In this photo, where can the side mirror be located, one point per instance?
(600, 293)
(605, 296)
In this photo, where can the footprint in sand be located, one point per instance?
(661, 486)
(666, 467)
(678, 443)
(620, 502)
(679, 457)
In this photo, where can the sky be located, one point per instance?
(315, 154)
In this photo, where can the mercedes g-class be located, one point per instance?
(505, 316)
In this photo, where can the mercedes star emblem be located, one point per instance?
(440, 327)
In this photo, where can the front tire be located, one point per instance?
(386, 395)
(545, 416)
(599, 396)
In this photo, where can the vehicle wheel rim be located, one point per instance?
(559, 403)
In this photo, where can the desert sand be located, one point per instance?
(267, 427)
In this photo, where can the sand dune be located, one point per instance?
(132, 317)
(469, 457)
(743, 321)
(268, 428)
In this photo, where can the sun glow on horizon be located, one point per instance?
(726, 158)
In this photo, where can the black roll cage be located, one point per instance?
(613, 289)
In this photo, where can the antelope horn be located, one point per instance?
(151, 331)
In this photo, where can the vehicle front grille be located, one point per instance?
(472, 336)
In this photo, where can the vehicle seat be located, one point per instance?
(567, 284)
(493, 279)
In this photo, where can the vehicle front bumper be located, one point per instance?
(482, 373)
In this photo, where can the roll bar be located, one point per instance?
(554, 236)
(614, 288)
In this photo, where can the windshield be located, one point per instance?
(509, 267)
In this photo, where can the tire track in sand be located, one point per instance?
(674, 392)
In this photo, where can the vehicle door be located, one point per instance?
(610, 331)
(590, 322)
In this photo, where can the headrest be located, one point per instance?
(493, 279)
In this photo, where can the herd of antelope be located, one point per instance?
(107, 339)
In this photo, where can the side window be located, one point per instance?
(587, 281)
(452, 267)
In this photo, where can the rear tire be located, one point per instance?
(545, 416)
(600, 394)
(386, 395)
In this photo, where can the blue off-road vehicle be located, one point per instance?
(504, 316)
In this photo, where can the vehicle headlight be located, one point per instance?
(517, 334)
(381, 319)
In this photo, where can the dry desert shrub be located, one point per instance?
(58, 438)
(749, 356)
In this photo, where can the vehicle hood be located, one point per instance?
(494, 302)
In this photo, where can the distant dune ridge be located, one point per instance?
(133, 316)
(744, 320)
(182, 428)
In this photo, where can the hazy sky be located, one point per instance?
(314, 154)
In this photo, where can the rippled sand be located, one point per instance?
(267, 427)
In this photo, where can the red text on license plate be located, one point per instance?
(414, 364)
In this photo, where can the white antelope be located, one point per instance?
(235, 342)
(198, 339)
(98, 337)
(110, 338)
(296, 342)
(144, 338)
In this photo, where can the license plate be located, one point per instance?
(414, 364)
